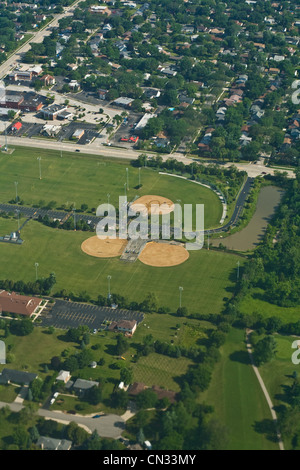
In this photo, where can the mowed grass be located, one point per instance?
(157, 369)
(206, 277)
(237, 398)
(254, 303)
(87, 179)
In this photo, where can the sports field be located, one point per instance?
(237, 398)
(85, 179)
(207, 276)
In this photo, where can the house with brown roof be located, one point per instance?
(11, 302)
(124, 326)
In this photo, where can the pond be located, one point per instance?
(248, 238)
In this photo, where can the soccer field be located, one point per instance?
(85, 179)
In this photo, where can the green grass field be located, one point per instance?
(237, 398)
(207, 276)
(254, 302)
(87, 179)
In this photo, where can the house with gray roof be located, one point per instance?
(16, 377)
(82, 385)
(49, 443)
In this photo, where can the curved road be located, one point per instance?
(106, 425)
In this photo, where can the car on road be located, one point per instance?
(97, 416)
(77, 150)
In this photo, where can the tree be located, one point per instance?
(122, 344)
(126, 375)
(146, 399)
(265, 350)
(21, 327)
(94, 395)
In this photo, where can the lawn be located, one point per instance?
(87, 179)
(157, 369)
(255, 302)
(206, 277)
(237, 398)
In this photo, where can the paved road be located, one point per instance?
(110, 425)
(264, 389)
(6, 67)
(130, 154)
(238, 208)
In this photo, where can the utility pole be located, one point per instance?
(238, 270)
(208, 240)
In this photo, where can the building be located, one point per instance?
(123, 102)
(16, 377)
(53, 111)
(11, 302)
(50, 130)
(143, 121)
(102, 94)
(124, 326)
(49, 443)
(16, 127)
(100, 9)
(78, 134)
(48, 80)
(12, 101)
(64, 376)
(82, 385)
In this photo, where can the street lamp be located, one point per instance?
(36, 270)
(180, 292)
(125, 186)
(108, 281)
(108, 196)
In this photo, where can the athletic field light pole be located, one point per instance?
(40, 169)
(180, 293)
(108, 281)
(140, 176)
(36, 270)
(16, 185)
(127, 180)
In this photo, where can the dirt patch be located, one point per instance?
(163, 254)
(166, 205)
(106, 248)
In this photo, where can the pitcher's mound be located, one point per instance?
(163, 254)
(106, 248)
(166, 205)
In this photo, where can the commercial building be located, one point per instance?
(10, 302)
(53, 111)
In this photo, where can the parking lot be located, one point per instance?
(65, 315)
(90, 133)
(126, 130)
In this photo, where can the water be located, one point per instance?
(248, 238)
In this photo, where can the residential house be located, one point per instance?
(82, 385)
(125, 326)
(63, 376)
(49, 443)
(16, 377)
